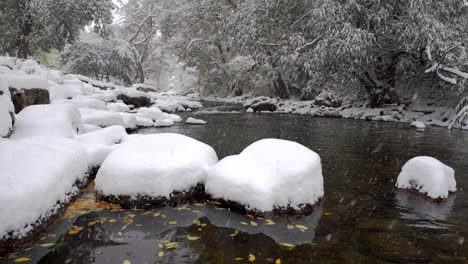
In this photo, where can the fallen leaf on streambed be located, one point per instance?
(234, 234)
(48, 245)
(287, 245)
(278, 261)
(171, 245)
(99, 252)
(252, 223)
(75, 230)
(127, 262)
(302, 227)
(22, 259)
(161, 254)
(269, 222)
(239, 259)
(113, 221)
(192, 238)
(199, 204)
(244, 223)
(173, 222)
(251, 258)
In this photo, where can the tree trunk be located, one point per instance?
(281, 88)
(25, 29)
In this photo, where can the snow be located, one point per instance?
(101, 118)
(100, 143)
(130, 121)
(418, 125)
(118, 107)
(35, 178)
(269, 174)
(144, 122)
(155, 114)
(194, 121)
(69, 89)
(47, 122)
(164, 123)
(155, 165)
(428, 176)
(26, 82)
(88, 128)
(89, 103)
(6, 108)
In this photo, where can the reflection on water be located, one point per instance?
(416, 207)
(362, 218)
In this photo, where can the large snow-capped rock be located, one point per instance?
(98, 144)
(7, 110)
(47, 121)
(429, 176)
(101, 118)
(27, 90)
(269, 174)
(36, 180)
(89, 103)
(155, 166)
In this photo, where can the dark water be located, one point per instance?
(362, 219)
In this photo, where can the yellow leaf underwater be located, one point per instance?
(278, 261)
(287, 245)
(269, 222)
(302, 227)
(251, 258)
(127, 262)
(192, 238)
(48, 245)
(252, 223)
(161, 254)
(75, 230)
(22, 259)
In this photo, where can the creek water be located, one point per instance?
(363, 218)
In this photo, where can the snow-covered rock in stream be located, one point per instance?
(89, 103)
(27, 90)
(428, 176)
(118, 107)
(7, 110)
(418, 125)
(101, 118)
(37, 180)
(269, 174)
(164, 123)
(155, 166)
(155, 114)
(47, 121)
(194, 121)
(143, 122)
(100, 143)
(68, 90)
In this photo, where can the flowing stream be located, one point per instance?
(362, 219)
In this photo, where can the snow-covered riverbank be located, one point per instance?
(424, 110)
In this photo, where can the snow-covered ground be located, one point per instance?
(428, 176)
(269, 174)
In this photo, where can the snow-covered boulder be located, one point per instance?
(155, 166)
(269, 174)
(132, 97)
(47, 122)
(27, 90)
(89, 103)
(164, 123)
(100, 143)
(194, 121)
(143, 122)
(7, 110)
(418, 125)
(70, 89)
(118, 107)
(130, 121)
(428, 176)
(155, 114)
(36, 181)
(101, 118)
